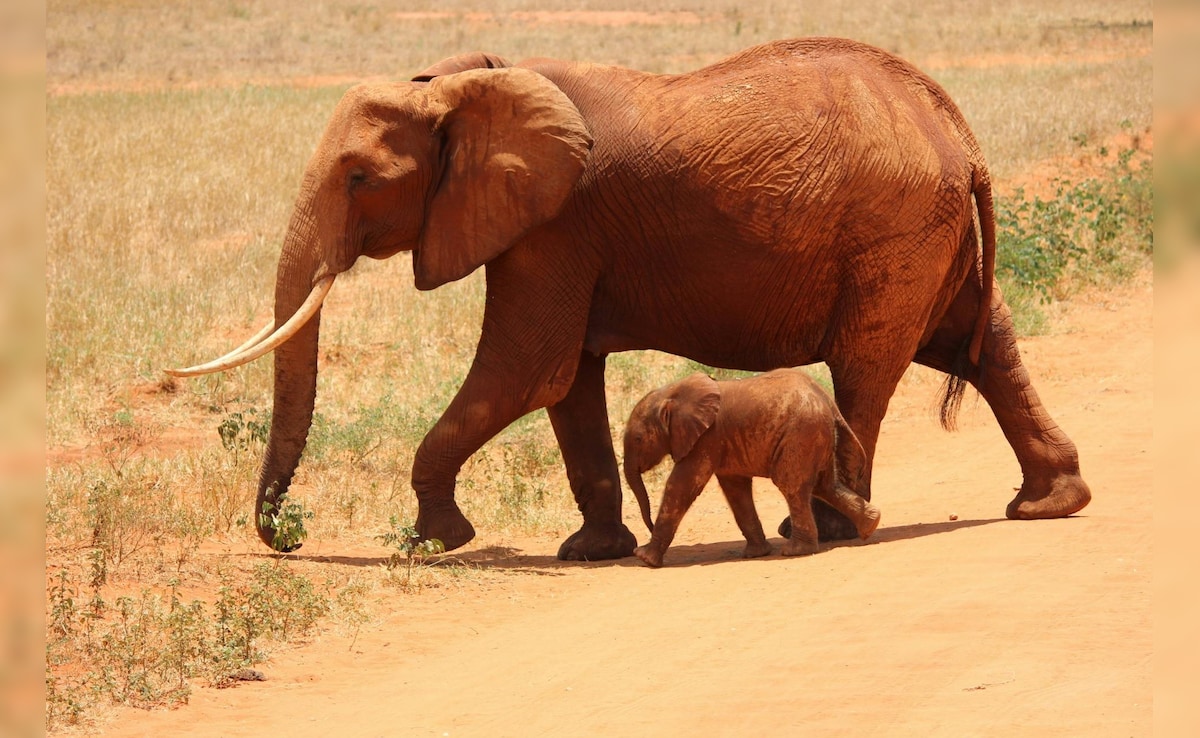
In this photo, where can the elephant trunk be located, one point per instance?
(295, 371)
(633, 477)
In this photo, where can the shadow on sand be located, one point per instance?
(706, 554)
(511, 559)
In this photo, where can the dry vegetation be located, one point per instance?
(176, 135)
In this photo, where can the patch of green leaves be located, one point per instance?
(407, 542)
(275, 603)
(243, 430)
(409, 551)
(288, 521)
(146, 650)
(1090, 232)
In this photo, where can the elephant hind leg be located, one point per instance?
(831, 524)
(798, 486)
(863, 385)
(863, 514)
(580, 422)
(1052, 486)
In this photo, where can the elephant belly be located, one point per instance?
(734, 319)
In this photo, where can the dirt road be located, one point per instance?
(935, 627)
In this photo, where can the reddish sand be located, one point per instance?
(950, 621)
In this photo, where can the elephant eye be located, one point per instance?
(355, 178)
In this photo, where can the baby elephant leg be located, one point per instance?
(739, 493)
(803, 540)
(863, 514)
(684, 484)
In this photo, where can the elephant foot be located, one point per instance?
(796, 547)
(598, 542)
(869, 521)
(648, 556)
(831, 524)
(755, 550)
(1062, 495)
(446, 523)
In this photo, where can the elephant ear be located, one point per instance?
(461, 63)
(691, 411)
(513, 148)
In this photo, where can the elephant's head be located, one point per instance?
(455, 170)
(669, 420)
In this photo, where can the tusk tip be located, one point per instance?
(265, 340)
(191, 371)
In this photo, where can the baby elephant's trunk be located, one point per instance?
(634, 478)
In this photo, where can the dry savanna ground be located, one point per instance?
(176, 135)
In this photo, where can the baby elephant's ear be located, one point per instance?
(695, 405)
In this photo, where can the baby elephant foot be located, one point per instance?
(831, 524)
(797, 547)
(869, 521)
(649, 556)
(754, 550)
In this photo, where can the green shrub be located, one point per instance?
(1096, 231)
(145, 650)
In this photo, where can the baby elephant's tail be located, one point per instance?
(851, 458)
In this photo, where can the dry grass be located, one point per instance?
(176, 136)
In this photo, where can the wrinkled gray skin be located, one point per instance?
(800, 201)
(780, 425)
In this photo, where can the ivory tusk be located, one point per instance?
(252, 341)
(252, 349)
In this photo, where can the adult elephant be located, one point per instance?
(800, 201)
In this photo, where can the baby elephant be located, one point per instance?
(779, 425)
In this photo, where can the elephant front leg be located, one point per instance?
(580, 422)
(684, 485)
(441, 454)
(486, 404)
(739, 493)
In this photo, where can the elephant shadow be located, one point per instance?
(500, 558)
(515, 560)
(708, 554)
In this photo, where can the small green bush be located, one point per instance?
(288, 521)
(145, 650)
(1091, 232)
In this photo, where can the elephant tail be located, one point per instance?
(851, 457)
(956, 377)
(981, 187)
